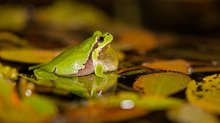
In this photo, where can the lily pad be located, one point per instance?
(205, 94)
(164, 84)
(28, 55)
(98, 114)
(130, 100)
(177, 65)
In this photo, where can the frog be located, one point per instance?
(94, 55)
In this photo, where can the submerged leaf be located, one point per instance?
(171, 65)
(28, 55)
(190, 114)
(205, 94)
(161, 83)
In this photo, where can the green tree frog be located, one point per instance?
(94, 55)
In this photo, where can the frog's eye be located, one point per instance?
(100, 39)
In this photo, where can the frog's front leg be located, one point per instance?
(44, 75)
(99, 71)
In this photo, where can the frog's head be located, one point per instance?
(102, 39)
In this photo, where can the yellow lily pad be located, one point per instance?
(28, 55)
(205, 94)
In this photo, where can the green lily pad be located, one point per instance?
(164, 84)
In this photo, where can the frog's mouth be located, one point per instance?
(88, 66)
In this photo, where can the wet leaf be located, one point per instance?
(129, 100)
(94, 114)
(165, 84)
(190, 114)
(205, 94)
(177, 65)
(28, 55)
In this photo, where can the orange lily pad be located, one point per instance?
(177, 65)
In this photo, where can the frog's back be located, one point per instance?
(71, 60)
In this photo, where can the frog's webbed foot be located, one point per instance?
(99, 71)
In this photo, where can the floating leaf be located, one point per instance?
(28, 55)
(123, 106)
(177, 65)
(129, 100)
(98, 114)
(190, 114)
(205, 94)
(161, 83)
